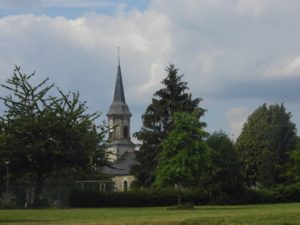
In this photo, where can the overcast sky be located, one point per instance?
(235, 54)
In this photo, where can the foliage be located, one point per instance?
(184, 154)
(135, 198)
(225, 178)
(263, 146)
(294, 167)
(46, 135)
(7, 200)
(158, 120)
(276, 194)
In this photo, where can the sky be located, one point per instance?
(235, 54)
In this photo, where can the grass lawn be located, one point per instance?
(284, 214)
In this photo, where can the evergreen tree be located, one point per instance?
(158, 121)
(263, 146)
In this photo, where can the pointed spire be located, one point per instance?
(119, 95)
(119, 106)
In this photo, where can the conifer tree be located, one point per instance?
(158, 121)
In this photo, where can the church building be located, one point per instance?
(120, 149)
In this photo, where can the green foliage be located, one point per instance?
(42, 135)
(184, 156)
(168, 196)
(263, 146)
(294, 166)
(135, 198)
(225, 179)
(276, 194)
(158, 120)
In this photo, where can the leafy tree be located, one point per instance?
(158, 120)
(46, 135)
(263, 146)
(225, 179)
(294, 166)
(184, 156)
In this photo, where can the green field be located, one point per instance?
(284, 214)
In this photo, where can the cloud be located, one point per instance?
(17, 4)
(280, 90)
(284, 68)
(218, 43)
(228, 50)
(81, 54)
(254, 7)
(236, 118)
(77, 3)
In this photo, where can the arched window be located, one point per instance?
(125, 185)
(125, 131)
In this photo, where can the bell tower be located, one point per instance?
(119, 141)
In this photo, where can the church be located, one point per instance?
(120, 149)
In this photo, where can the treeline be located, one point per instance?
(177, 152)
(48, 140)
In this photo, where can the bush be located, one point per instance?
(7, 200)
(281, 193)
(134, 198)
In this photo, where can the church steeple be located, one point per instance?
(119, 106)
(119, 90)
(119, 114)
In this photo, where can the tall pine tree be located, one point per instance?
(158, 121)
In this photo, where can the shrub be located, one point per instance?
(134, 198)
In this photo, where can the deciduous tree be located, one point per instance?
(185, 156)
(225, 179)
(45, 135)
(263, 146)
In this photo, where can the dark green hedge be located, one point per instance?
(165, 197)
(281, 193)
(136, 198)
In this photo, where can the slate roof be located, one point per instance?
(122, 166)
(119, 106)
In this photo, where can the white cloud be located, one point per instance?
(284, 68)
(236, 118)
(81, 53)
(226, 48)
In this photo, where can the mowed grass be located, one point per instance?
(284, 214)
